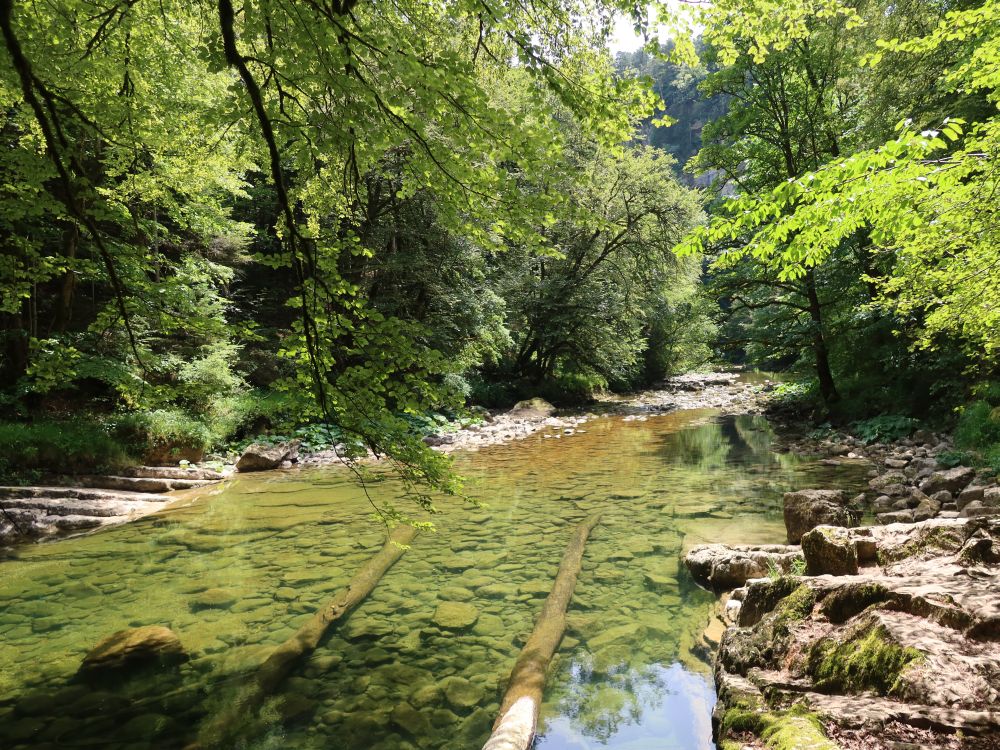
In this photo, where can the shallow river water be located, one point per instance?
(235, 570)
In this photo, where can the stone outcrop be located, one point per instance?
(829, 550)
(537, 407)
(806, 509)
(35, 513)
(906, 646)
(723, 567)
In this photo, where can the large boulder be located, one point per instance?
(953, 480)
(806, 509)
(150, 645)
(260, 457)
(533, 408)
(721, 567)
(830, 550)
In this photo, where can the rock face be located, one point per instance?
(258, 457)
(905, 654)
(806, 509)
(723, 567)
(127, 649)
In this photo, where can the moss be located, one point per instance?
(941, 538)
(798, 605)
(867, 662)
(794, 729)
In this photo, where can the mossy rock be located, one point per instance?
(852, 599)
(794, 729)
(866, 660)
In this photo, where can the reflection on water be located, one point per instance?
(235, 572)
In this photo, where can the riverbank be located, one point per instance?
(881, 638)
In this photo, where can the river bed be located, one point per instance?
(237, 569)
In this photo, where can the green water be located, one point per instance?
(236, 570)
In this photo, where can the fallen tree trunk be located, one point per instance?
(283, 659)
(518, 717)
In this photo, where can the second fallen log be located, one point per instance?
(282, 660)
(515, 726)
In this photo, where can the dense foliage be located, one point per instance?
(360, 210)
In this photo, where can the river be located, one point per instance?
(236, 569)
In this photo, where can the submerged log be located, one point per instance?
(304, 641)
(518, 716)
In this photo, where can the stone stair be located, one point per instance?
(75, 504)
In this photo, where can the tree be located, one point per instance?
(590, 307)
(925, 199)
(137, 128)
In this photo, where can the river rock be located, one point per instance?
(455, 615)
(259, 457)
(213, 599)
(953, 480)
(829, 549)
(151, 644)
(410, 720)
(977, 509)
(970, 493)
(807, 509)
(889, 479)
(462, 694)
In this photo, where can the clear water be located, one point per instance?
(237, 569)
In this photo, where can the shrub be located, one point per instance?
(165, 435)
(72, 447)
(885, 428)
(978, 427)
(246, 414)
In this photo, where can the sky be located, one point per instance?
(624, 38)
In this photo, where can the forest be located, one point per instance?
(219, 222)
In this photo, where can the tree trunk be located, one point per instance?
(304, 641)
(64, 306)
(827, 387)
(515, 725)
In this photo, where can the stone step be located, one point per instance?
(172, 472)
(136, 484)
(74, 506)
(81, 493)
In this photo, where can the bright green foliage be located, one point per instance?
(978, 431)
(72, 446)
(884, 429)
(614, 291)
(315, 199)
(924, 199)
